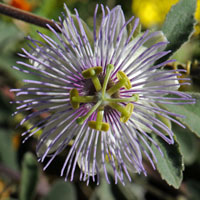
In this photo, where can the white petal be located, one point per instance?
(111, 36)
(173, 85)
(68, 26)
(113, 24)
(137, 155)
(37, 65)
(62, 126)
(160, 37)
(94, 158)
(140, 124)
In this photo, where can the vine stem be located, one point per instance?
(27, 17)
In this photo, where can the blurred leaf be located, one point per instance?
(62, 190)
(187, 142)
(179, 24)
(170, 166)
(103, 191)
(191, 113)
(193, 188)
(132, 191)
(7, 154)
(5, 109)
(51, 8)
(9, 36)
(29, 177)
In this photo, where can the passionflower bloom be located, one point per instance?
(102, 92)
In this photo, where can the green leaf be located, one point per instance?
(191, 113)
(170, 166)
(29, 177)
(7, 153)
(62, 190)
(188, 143)
(179, 24)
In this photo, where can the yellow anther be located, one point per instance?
(123, 81)
(122, 76)
(75, 99)
(126, 111)
(188, 67)
(74, 93)
(89, 73)
(98, 124)
(129, 108)
(93, 73)
(104, 126)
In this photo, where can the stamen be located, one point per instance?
(126, 111)
(98, 124)
(188, 67)
(93, 73)
(74, 93)
(123, 82)
(75, 99)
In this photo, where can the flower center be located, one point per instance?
(104, 97)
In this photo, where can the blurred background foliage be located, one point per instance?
(21, 177)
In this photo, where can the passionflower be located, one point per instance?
(103, 95)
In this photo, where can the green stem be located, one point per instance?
(134, 98)
(96, 83)
(80, 120)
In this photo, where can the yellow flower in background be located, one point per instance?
(197, 17)
(153, 12)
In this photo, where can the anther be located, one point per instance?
(93, 73)
(98, 124)
(123, 81)
(74, 93)
(75, 99)
(126, 111)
